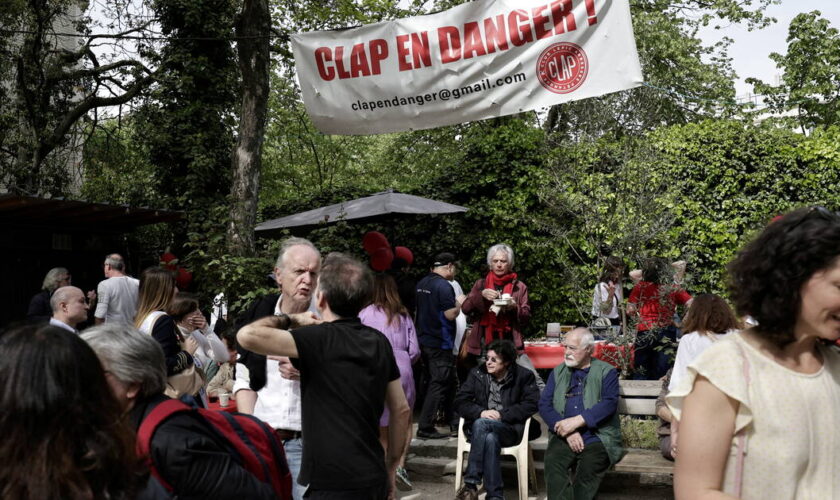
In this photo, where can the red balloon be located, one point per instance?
(374, 240)
(405, 254)
(381, 258)
(169, 261)
(183, 279)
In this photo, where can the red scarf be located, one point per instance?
(495, 325)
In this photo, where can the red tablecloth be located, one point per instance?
(550, 354)
(214, 405)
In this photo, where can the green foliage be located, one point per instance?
(241, 279)
(673, 57)
(696, 192)
(186, 126)
(117, 169)
(639, 432)
(604, 198)
(810, 83)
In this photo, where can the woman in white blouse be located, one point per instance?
(709, 319)
(758, 410)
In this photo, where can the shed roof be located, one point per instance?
(17, 210)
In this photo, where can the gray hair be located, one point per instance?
(293, 242)
(130, 355)
(116, 262)
(501, 247)
(52, 278)
(586, 337)
(60, 295)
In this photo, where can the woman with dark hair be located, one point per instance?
(191, 323)
(654, 301)
(64, 435)
(771, 389)
(388, 315)
(495, 402)
(157, 288)
(608, 296)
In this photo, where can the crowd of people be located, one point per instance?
(328, 367)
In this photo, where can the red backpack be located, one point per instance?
(251, 441)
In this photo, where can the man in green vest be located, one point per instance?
(580, 407)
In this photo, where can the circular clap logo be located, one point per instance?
(562, 67)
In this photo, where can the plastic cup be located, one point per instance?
(224, 399)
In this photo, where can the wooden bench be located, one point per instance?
(638, 398)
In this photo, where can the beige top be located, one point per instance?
(793, 448)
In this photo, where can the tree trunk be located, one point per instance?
(252, 30)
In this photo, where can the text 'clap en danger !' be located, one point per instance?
(473, 39)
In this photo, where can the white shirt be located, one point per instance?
(600, 296)
(61, 324)
(116, 299)
(210, 346)
(460, 320)
(219, 310)
(278, 403)
(690, 347)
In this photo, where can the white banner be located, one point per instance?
(479, 60)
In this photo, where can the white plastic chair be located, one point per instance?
(522, 452)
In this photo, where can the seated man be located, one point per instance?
(190, 457)
(495, 401)
(580, 408)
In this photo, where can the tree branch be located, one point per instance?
(86, 105)
(98, 71)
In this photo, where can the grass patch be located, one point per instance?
(639, 432)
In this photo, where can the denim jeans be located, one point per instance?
(294, 453)
(487, 438)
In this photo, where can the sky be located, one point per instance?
(751, 49)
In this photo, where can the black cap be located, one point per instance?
(443, 259)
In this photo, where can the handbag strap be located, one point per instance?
(741, 437)
(149, 323)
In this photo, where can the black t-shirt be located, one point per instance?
(345, 368)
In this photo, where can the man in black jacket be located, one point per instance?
(190, 457)
(495, 401)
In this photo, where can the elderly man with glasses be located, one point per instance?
(580, 407)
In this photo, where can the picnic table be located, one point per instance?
(547, 355)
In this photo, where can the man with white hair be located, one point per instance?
(580, 408)
(269, 387)
(69, 308)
